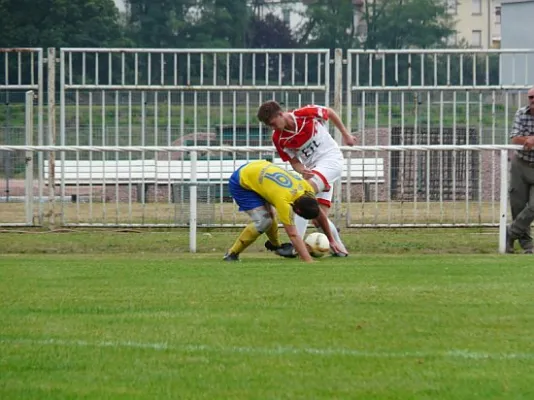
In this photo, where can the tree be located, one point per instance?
(159, 23)
(399, 24)
(330, 24)
(269, 33)
(389, 24)
(222, 23)
(59, 23)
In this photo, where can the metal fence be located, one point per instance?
(21, 70)
(156, 98)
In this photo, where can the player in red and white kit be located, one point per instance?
(301, 137)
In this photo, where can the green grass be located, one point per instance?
(380, 241)
(109, 315)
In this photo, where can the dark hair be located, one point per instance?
(306, 206)
(268, 110)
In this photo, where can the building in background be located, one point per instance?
(477, 22)
(516, 33)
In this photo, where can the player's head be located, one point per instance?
(306, 206)
(270, 113)
(531, 97)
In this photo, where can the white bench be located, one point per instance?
(145, 173)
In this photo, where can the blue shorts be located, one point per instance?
(244, 198)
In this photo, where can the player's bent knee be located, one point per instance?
(263, 224)
(261, 218)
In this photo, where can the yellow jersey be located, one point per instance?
(278, 187)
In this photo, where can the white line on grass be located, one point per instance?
(273, 351)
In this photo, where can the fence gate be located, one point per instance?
(21, 88)
(432, 97)
(168, 97)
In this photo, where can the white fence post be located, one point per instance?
(338, 101)
(29, 158)
(51, 59)
(503, 201)
(193, 205)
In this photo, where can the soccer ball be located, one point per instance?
(317, 244)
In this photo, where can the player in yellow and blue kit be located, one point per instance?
(258, 185)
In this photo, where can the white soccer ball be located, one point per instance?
(318, 244)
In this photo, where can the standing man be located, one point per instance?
(522, 179)
(258, 185)
(302, 138)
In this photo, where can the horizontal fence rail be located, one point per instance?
(255, 149)
(424, 188)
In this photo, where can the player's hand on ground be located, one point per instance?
(336, 248)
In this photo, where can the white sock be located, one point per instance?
(301, 224)
(335, 233)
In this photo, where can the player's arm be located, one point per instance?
(300, 168)
(348, 139)
(298, 243)
(520, 133)
(322, 220)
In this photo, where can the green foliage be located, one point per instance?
(159, 23)
(330, 25)
(220, 23)
(269, 32)
(223, 23)
(400, 24)
(59, 23)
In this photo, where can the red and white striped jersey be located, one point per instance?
(310, 141)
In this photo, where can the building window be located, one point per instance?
(286, 15)
(476, 39)
(452, 6)
(498, 15)
(477, 7)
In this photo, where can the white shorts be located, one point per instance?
(327, 171)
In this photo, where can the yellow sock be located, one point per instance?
(273, 234)
(245, 239)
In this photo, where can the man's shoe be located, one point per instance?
(525, 241)
(510, 239)
(231, 257)
(269, 246)
(284, 250)
(340, 255)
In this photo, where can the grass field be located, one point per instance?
(412, 314)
